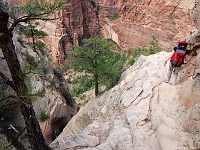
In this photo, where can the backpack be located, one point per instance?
(177, 58)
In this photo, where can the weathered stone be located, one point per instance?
(79, 140)
(130, 95)
(141, 107)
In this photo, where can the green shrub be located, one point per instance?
(43, 116)
(146, 51)
(31, 60)
(131, 61)
(137, 53)
(81, 84)
(114, 17)
(40, 45)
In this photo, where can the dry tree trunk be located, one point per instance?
(34, 132)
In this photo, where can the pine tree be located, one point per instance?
(96, 56)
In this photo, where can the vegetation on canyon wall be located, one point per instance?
(94, 57)
(97, 58)
(136, 52)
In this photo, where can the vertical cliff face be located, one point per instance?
(55, 100)
(139, 20)
(195, 15)
(129, 23)
(81, 18)
(78, 21)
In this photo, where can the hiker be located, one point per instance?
(178, 57)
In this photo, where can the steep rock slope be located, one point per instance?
(141, 112)
(129, 23)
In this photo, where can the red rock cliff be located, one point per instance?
(130, 23)
(135, 21)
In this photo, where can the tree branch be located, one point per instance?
(36, 16)
(17, 99)
(26, 19)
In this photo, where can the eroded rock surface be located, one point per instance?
(141, 112)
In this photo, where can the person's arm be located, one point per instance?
(175, 48)
(168, 58)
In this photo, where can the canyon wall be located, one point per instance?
(136, 21)
(129, 23)
(53, 98)
(139, 110)
(139, 20)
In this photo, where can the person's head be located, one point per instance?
(183, 43)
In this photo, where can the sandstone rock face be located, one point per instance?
(53, 41)
(16, 2)
(139, 20)
(53, 103)
(195, 15)
(141, 112)
(129, 23)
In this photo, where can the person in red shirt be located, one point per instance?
(178, 57)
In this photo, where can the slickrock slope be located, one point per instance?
(142, 112)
